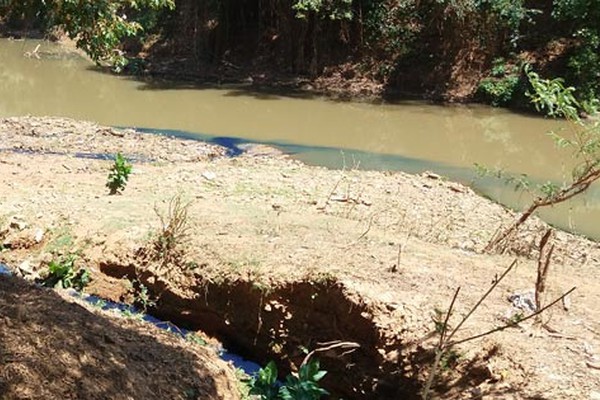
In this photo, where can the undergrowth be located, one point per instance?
(63, 273)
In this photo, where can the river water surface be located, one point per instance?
(410, 136)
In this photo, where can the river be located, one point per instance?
(410, 136)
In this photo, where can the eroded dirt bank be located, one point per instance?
(52, 347)
(280, 256)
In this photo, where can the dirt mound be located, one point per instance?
(51, 348)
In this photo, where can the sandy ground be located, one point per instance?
(398, 245)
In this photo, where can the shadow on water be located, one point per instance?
(287, 87)
(260, 88)
(236, 87)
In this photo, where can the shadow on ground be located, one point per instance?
(53, 349)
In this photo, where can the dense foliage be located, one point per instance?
(582, 18)
(98, 26)
(440, 47)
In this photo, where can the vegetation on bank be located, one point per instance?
(464, 49)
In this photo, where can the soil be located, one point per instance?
(54, 347)
(277, 256)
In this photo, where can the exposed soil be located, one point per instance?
(281, 256)
(52, 347)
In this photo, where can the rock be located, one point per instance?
(38, 235)
(593, 364)
(17, 222)
(594, 395)
(524, 301)
(455, 187)
(566, 302)
(25, 268)
(209, 176)
(431, 175)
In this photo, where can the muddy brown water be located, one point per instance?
(412, 136)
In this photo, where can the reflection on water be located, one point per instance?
(411, 136)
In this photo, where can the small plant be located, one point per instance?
(118, 175)
(450, 359)
(141, 296)
(264, 383)
(301, 386)
(194, 338)
(132, 314)
(305, 385)
(63, 274)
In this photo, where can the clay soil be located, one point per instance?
(279, 256)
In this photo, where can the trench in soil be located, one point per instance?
(281, 322)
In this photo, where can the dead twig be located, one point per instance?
(439, 351)
(348, 348)
(511, 324)
(446, 342)
(543, 268)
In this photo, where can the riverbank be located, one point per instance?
(280, 256)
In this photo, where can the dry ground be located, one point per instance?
(274, 225)
(52, 347)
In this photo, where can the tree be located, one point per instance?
(97, 26)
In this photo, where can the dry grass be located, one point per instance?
(168, 248)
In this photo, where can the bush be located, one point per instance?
(503, 86)
(498, 91)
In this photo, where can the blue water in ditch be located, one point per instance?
(248, 367)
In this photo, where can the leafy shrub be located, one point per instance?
(332, 9)
(502, 86)
(305, 385)
(118, 175)
(498, 91)
(142, 297)
(301, 386)
(584, 65)
(264, 384)
(63, 274)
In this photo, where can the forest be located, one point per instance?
(449, 50)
